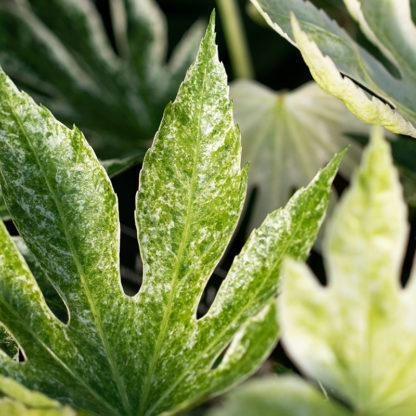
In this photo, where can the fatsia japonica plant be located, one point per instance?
(377, 90)
(357, 335)
(111, 354)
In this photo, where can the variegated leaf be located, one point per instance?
(357, 335)
(282, 396)
(147, 354)
(375, 92)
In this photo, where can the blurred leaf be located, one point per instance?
(404, 154)
(60, 53)
(281, 369)
(278, 396)
(116, 166)
(408, 178)
(287, 137)
(357, 335)
(19, 401)
(375, 92)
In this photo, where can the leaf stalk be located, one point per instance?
(236, 39)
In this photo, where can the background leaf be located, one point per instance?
(283, 396)
(346, 70)
(287, 137)
(346, 334)
(60, 52)
(20, 401)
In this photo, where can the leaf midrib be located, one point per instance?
(184, 240)
(117, 379)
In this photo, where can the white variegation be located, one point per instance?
(375, 91)
(147, 354)
(357, 336)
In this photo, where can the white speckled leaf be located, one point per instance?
(52, 298)
(288, 136)
(112, 166)
(357, 335)
(340, 66)
(283, 396)
(147, 354)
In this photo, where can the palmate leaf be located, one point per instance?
(376, 92)
(19, 401)
(288, 136)
(146, 354)
(357, 336)
(59, 52)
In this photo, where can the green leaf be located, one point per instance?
(371, 89)
(52, 298)
(112, 166)
(283, 396)
(287, 137)
(357, 335)
(20, 401)
(59, 51)
(147, 354)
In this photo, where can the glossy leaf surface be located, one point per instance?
(147, 354)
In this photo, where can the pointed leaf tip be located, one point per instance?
(211, 23)
(336, 160)
(209, 37)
